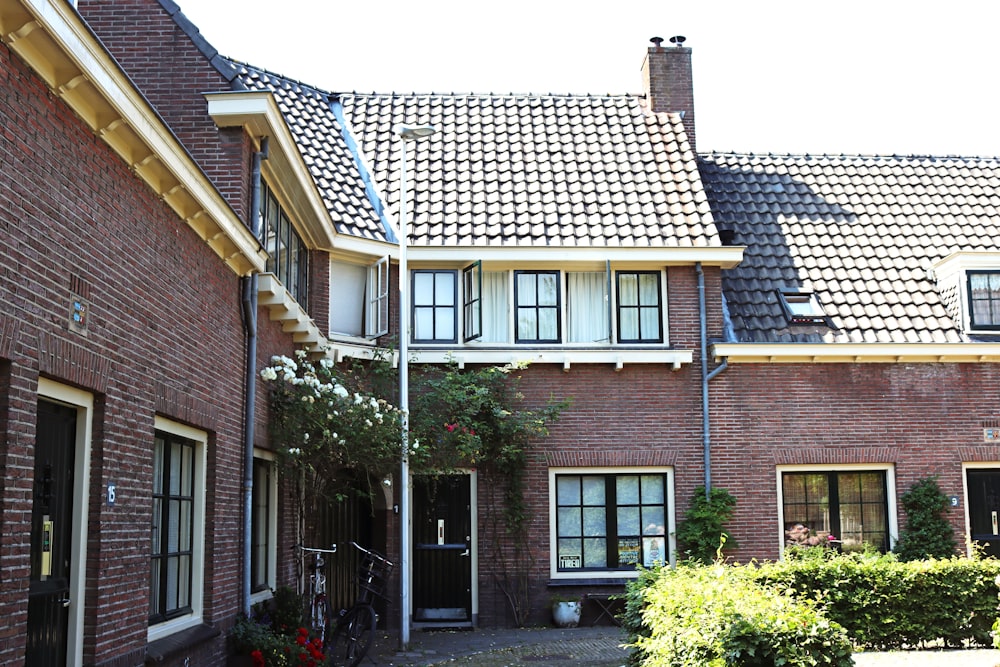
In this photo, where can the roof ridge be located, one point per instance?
(875, 156)
(491, 95)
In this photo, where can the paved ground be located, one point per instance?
(592, 647)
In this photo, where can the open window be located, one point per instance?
(472, 302)
(802, 307)
(377, 292)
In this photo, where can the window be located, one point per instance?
(288, 257)
(802, 307)
(377, 290)
(359, 298)
(639, 313)
(984, 299)
(472, 301)
(536, 296)
(610, 521)
(495, 307)
(177, 545)
(850, 505)
(263, 527)
(587, 307)
(173, 527)
(435, 295)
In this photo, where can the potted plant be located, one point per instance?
(566, 611)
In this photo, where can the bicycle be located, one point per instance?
(355, 629)
(319, 611)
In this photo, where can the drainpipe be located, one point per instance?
(705, 378)
(249, 302)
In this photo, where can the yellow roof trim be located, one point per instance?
(52, 38)
(258, 113)
(857, 353)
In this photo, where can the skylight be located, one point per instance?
(802, 307)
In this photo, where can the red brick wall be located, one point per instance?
(174, 76)
(924, 419)
(164, 338)
(642, 415)
(669, 84)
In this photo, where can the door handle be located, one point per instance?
(64, 601)
(464, 553)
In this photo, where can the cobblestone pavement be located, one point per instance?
(599, 646)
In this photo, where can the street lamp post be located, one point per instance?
(407, 134)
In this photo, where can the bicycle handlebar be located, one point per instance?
(314, 550)
(372, 554)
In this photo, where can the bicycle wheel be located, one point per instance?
(352, 637)
(319, 617)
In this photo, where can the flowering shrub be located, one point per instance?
(325, 424)
(270, 643)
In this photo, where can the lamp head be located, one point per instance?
(414, 132)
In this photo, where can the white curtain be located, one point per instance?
(495, 305)
(587, 310)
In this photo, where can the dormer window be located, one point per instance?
(984, 299)
(969, 284)
(802, 307)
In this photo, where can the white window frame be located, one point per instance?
(890, 492)
(272, 529)
(377, 299)
(200, 438)
(670, 528)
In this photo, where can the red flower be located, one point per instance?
(257, 657)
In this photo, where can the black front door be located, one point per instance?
(51, 519)
(442, 542)
(984, 509)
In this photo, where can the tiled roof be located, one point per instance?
(861, 232)
(536, 170)
(319, 135)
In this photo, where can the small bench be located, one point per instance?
(607, 606)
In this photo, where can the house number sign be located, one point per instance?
(112, 492)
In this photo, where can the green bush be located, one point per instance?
(927, 534)
(718, 616)
(884, 603)
(701, 533)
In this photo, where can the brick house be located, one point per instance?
(811, 333)
(127, 338)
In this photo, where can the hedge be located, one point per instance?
(807, 610)
(884, 603)
(718, 616)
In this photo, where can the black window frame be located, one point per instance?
(639, 307)
(614, 541)
(472, 302)
(166, 503)
(834, 503)
(537, 308)
(433, 307)
(291, 264)
(994, 304)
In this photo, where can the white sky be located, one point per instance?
(770, 76)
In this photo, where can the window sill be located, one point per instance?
(162, 650)
(564, 355)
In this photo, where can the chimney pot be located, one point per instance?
(678, 40)
(657, 41)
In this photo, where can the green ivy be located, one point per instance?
(928, 534)
(701, 535)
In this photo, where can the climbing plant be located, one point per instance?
(928, 534)
(701, 535)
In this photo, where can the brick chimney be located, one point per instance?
(667, 82)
